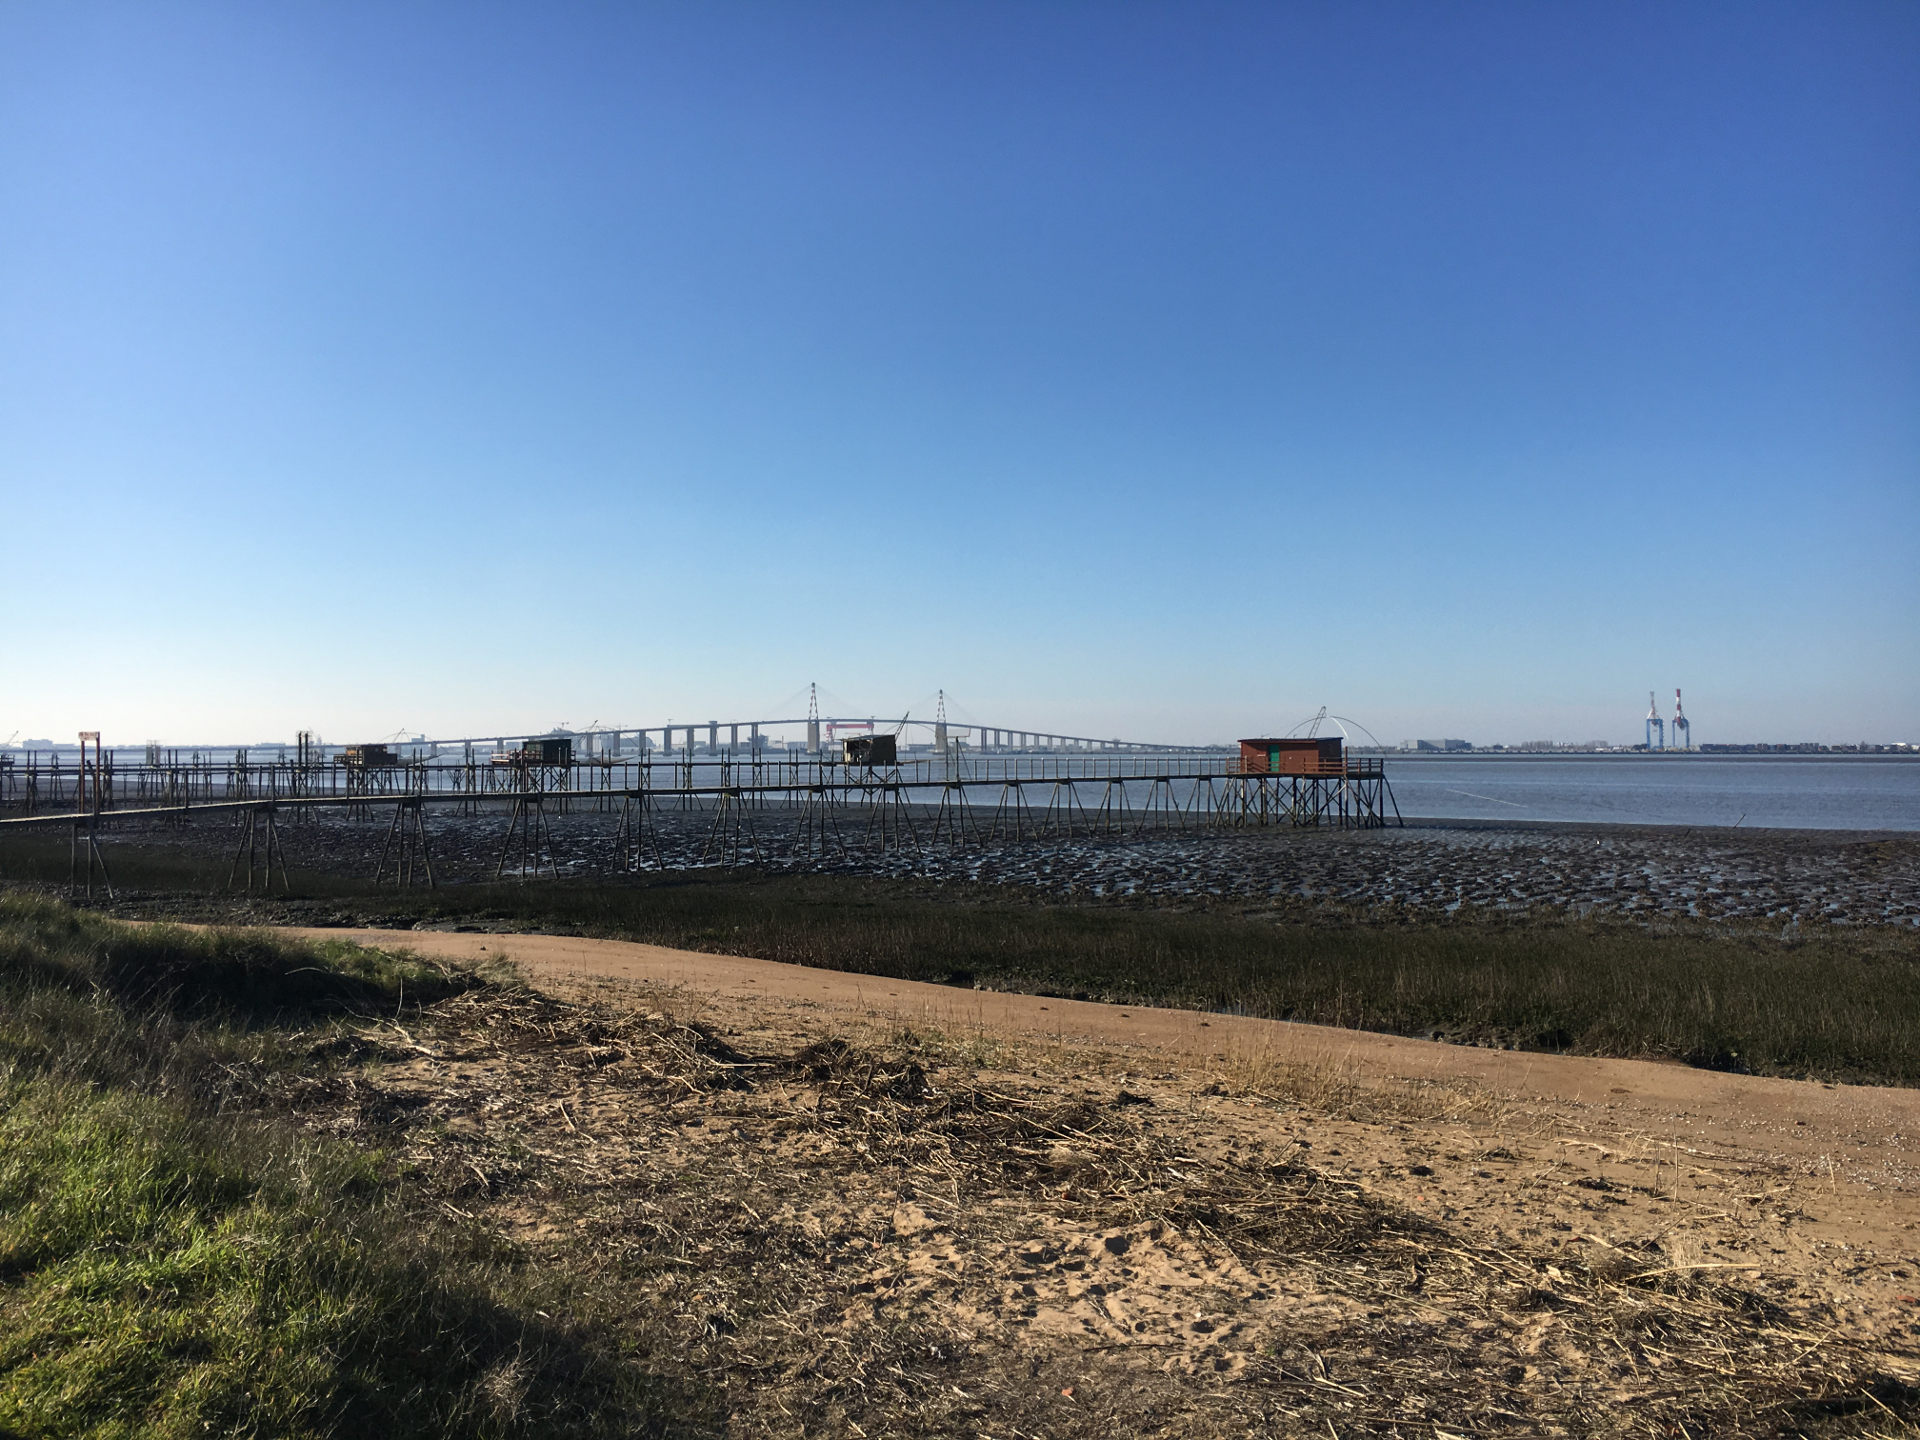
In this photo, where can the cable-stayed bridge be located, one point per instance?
(812, 732)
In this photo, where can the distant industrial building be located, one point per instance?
(1435, 746)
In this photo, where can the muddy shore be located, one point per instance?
(1781, 876)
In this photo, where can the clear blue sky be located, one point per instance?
(1156, 370)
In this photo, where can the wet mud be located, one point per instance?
(1434, 868)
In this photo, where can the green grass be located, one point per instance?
(44, 857)
(238, 974)
(169, 1270)
(1836, 1004)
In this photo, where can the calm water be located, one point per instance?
(1868, 793)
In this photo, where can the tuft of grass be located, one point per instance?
(171, 1268)
(252, 974)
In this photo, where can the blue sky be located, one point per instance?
(1153, 370)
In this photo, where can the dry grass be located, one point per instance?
(936, 1235)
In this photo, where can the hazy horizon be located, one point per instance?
(960, 721)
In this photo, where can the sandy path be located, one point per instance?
(1867, 1135)
(1826, 1125)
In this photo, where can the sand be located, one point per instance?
(1782, 1181)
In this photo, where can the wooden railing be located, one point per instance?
(1348, 767)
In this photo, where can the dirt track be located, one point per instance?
(1846, 1128)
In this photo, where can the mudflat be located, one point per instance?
(1789, 877)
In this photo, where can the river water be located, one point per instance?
(1785, 792)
